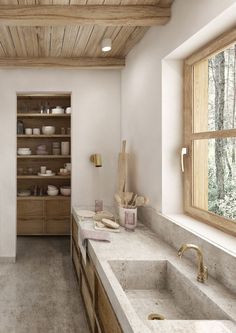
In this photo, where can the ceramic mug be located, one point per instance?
(65, 148)
(28, 131)
(43, 169)
(36, 131)
(48, 172)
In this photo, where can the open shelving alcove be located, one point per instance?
(40, 214)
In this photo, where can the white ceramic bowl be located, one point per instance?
(48, 130)
(52, 192)
(58, 110)
(52, 188)
(65, 190)
(24, 151)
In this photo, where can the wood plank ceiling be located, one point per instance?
(71, 44)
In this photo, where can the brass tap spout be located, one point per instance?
(202, 270)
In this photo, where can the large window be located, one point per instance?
(210, 133)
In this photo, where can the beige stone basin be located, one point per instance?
(157, 287)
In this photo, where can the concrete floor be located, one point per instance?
(39, 294)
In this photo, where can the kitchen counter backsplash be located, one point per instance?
(221, 264)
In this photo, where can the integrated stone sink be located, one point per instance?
(158, 287)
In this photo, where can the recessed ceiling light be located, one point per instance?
(106, 44)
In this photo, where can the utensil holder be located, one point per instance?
(122, 212)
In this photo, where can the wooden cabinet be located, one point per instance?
(39, 216)
(104, 312)
(42, 215)
(30, 226)
(29, 209)
(100, 314)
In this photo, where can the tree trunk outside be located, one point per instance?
(219, 122)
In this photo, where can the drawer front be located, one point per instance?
(74, 230)
(30, 208)
(104, 312)
(30, 227)
(75, 258)
(89, 272)
(87, 302)
(57, 208)
(58, 226)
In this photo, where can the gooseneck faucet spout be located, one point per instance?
(202, 270)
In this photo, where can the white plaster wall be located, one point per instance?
(95, 128)
(152, 98)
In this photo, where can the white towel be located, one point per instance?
(85, 232)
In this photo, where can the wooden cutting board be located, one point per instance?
(122, 169)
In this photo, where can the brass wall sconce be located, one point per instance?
(96, 159)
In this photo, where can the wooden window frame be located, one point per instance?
(213, 47)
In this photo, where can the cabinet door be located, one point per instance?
(57, 208)
(75, 258)
(88, 302)
(30, 208)
(58, 226)
(30, 226)
(105, 315)
(74, 231)
(89, 272)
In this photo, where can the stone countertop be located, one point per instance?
(143, 244)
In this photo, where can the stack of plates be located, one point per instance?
(56, 148)
(24, 151)
(41, 150)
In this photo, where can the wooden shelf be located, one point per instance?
(43, 115)
(43, 156)
(45, 197)
(42, 177)
(42, 215)
(42, 136)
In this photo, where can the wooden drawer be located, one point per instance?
(75, 257)
(74, 231)
(87, 302)
(30, 208)
(105, 315)
(57, 208)
(89, 272)
(30, 226)
(58, 226)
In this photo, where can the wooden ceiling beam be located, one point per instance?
(58, 62)
(108, 15)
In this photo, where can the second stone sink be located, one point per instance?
(158, 290)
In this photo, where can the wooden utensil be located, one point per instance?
(127, 197)
(146, 201)
(122, 169)
(132, 201)
(140, 201)
(118, 199)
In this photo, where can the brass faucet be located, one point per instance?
(202, 270)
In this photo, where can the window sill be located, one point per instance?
(210, 234)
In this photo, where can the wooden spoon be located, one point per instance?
(118, 199)
(140, 201)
